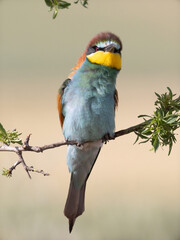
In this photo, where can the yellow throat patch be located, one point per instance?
(109, 59)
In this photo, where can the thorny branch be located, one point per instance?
(26, 147)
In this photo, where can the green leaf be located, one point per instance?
(145, 141)
(172, 119)
(170, 147)
(146, 131)
(137, 138)
(157, 95)
(141, 135)
(55, 13)
(49, 3)
(2, 131)
(84, 3)
(63, 4)
(155, 143)
(170, 93)
(6, 172)
(144, 115)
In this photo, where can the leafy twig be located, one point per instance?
(8, 137)
(18, 150)
(160, 127)
(55, 5)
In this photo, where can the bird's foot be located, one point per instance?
(74, 142)
(106, 138)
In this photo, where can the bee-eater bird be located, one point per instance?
(86, 104)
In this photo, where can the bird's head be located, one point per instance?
(104, 49)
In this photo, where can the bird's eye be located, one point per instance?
(96, 48)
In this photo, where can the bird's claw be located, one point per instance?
(106, 138)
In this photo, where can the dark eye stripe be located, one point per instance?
(93, 49)
(96, 48)
(117, 50)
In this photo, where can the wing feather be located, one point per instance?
(116, 99)
(59, 100)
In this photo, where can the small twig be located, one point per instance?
(32, 169)
(26, 142)
(23, 163)
(13, 167)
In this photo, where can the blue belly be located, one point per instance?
(89, 119)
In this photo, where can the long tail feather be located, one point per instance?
(74, 206)
(81, 206)
(71, 224)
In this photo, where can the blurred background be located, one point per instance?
(132, 193)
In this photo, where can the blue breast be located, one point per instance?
(88, 103)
